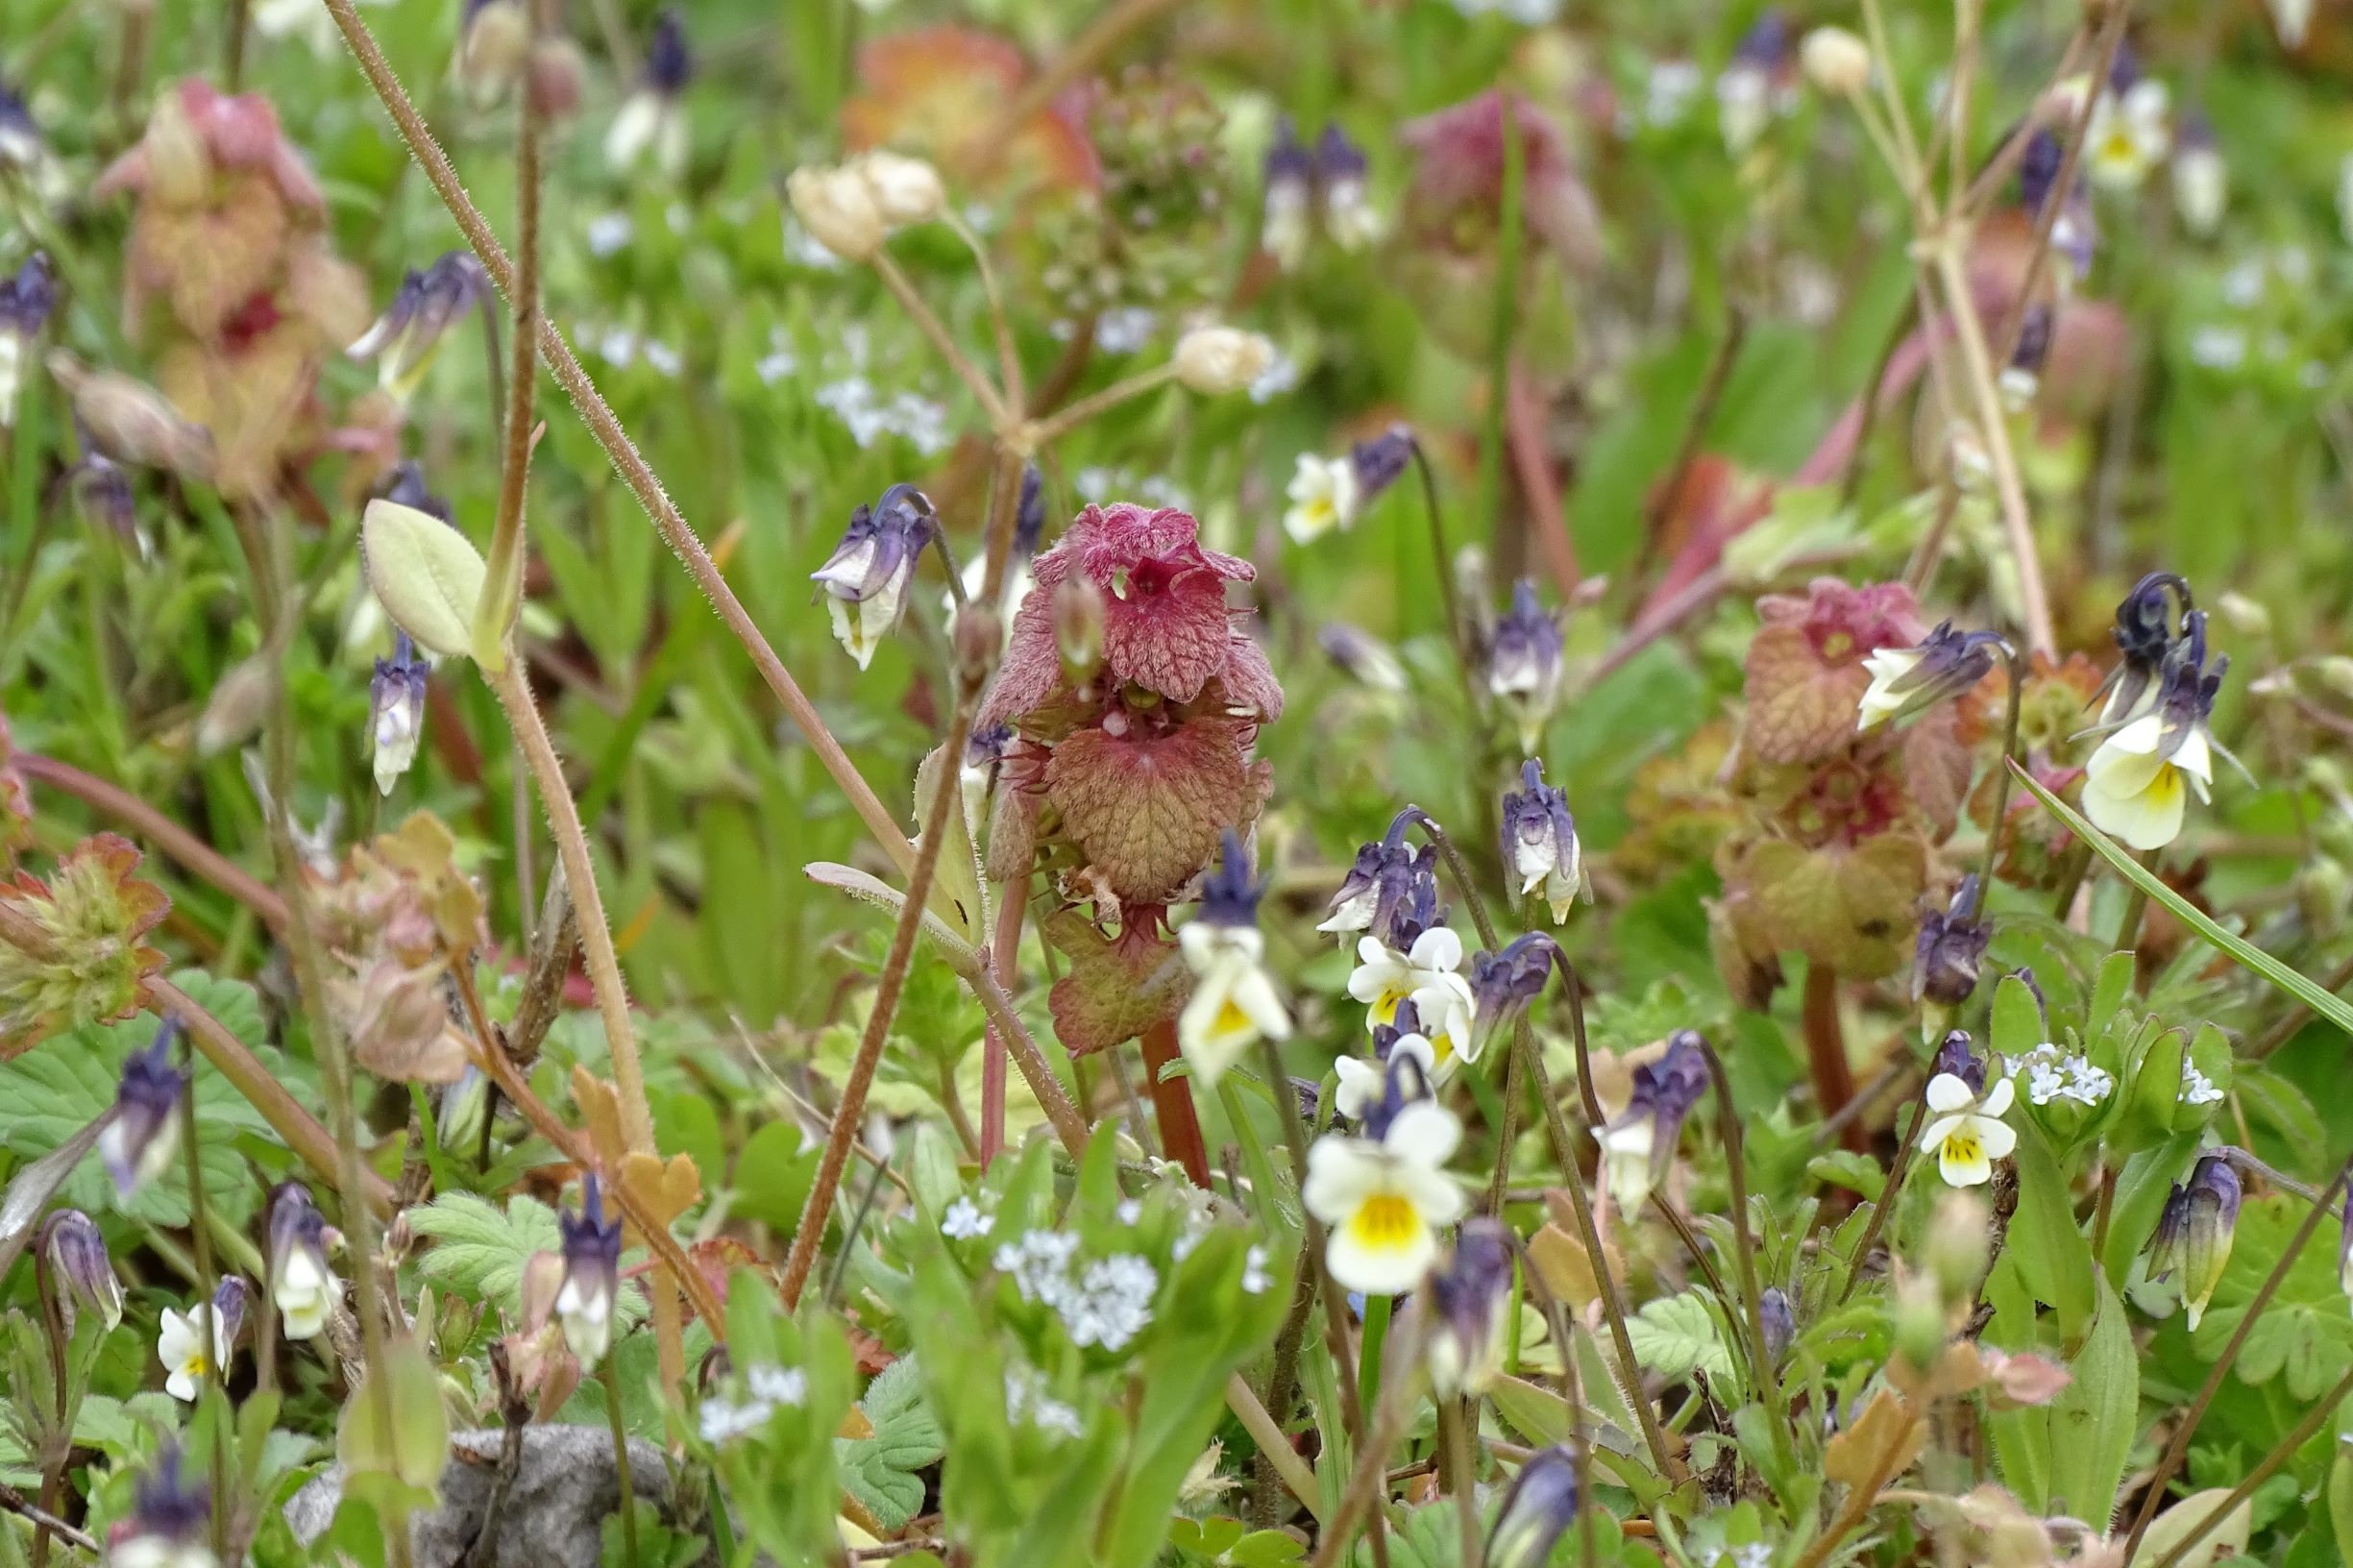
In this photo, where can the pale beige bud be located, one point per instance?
(235, 708)
(130, 422)
(907, 190)
(838, 208)
(2249, 618)
(494, 50)
(1955, 1245)
(1214, 360)
(1836, 61)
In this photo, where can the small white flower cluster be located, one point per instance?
(621, 347)
(870, 415)
(1097, 484)
(1108, 1303)
(1026, 1398)
(1121, 330)
(2196, 1089)
(770, 1388)
(2053, 1075)
(1256, 1280)
(964, 1221)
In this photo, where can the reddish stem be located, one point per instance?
(1172, 1101)
(1826, 1049)
(1003, 958)
(1524, 436)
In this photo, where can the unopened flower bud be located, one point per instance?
(143, 1131)
(1539, 842)
(227, 1317)
(1950, 951)
(557, 68)
(1778, 1322)
(2194, 1233)
(1504, 984)
(1524, 664)
(25, 302)
(234, 710)
(302, 1286)
(170, 1523)
(130, 422)
(1214, 360)
(1638, 1145)
(592, 1276)
(1471, 1299)
(1078, 626)
(396, 710)
(907, 190)
(493, 48)
(1836, 61)
(405, 339)
(1537, 1510)
(838, 208)
(1955, 1248)
(81, 1273)
(2247, 617)
(866, 579)
(1956, 1058)
(1286, 218)
(1364, 657)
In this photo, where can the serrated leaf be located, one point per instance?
(1676, 1335)
(880, 1471)
(1148, 809)
(480, 1251)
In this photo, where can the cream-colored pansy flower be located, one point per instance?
(1383, 977)
(1360, 1081)
(304, 1294)
(2131, 133)
(1385, 1200)
(1233, 1003)
(1323, 496)
(188, 1353)
(2133, 790)
(1968, 1134)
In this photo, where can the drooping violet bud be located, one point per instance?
(1380, 461)
(650, 119)
(427, 304)
(1503, 985)
(866, 579)
(1537, 1510)
(1286, 216)
(2145, 622)
(1471, 1299)
(2194, 1233)
(1349, 217)
(1375, 885)
(1957, 1058)
(102, 498)
(169, 1523)
(81, 1274)
(2023, 377)
(1638, 1144)
(144, 1133)
(592, 1276)
(25, 302)
(226, 1310)
(1028, 517)
(408, 489)
(1362, 656)
(302, 1286)
(1774, 1317)
(396, 710)
(1540, 841)
(1951, 950)
(1524, 664)
(1908, 680)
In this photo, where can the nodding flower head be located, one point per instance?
(2194, 1233)
(650, 119)
(1540, 841)
(1287, 219)
(1349, 217)
(1378, 883)
(1956, 1058)
(1503, 985)
(427, 304)
(1638, 1144)
(1951, 949)
(82, 1276)
(1524, 663)
(2135, 784)
(302, 1286)
(169, 1521)
(1471, 1299)
(396, 710)
(1363, 1083)
(1907, 680)
(2144, 634)
(1233, 1003)
(140, 1140)
(1385, 1194)
(1538, 1509)
(25, 302)
(592, 1275)
(865, 577)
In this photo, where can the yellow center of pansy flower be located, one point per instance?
(1386, 1005)
(1230, 1019)
(1384, 1220)
(1964, 1149)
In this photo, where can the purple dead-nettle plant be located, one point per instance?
(143, 1133)
(866, 579)
(303, 1287)
(1904, 681)
(650, 120)
(25, 302)
(592, 1275)
(396, 710)
(1539, 842)
(82, 1276)
(1471, 1300)
(1524, 664)
(2194, 1233)
(405, 339)
(1638, 1144)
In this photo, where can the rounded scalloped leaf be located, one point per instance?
(1114, 989)
(1148, 809)
(426, 575)
(1850, 907)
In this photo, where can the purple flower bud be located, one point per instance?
(1779, 1323)
(1503, 986)
(1956, 1058)
(81, 1274)
(25, 302)
(1361, 656)
(1339, 175)
(1539, 842)
(866, 579)
(1470, 1301)
(1228, 895)
(1524, 663)
(1284, 218)
(143, 1133)
(1638, 1144)
(2038, 169)
(406, 337)
(669, 63)
(396, 710)
(302, 1286)
(101, 494)
(1379, 884)
(1908, 680)
(1404, 1080)
(2194, 1233)
(1951, 946)
(1537, 1510)
(408, 489)
(1380, 461)
(1419, 909)
(1028, 517)
(1766, 42)
(228, 1317)
(169, 1518)
(592, 1276)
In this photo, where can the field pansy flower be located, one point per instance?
(2136, 785)
(1638, 1144)
(1968, 1134)
(1385, 1195)
(1905, 681)
(2132, 130)
(1385, 977)
(191, 1352)
(1233, 1003)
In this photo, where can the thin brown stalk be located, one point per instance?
(503, 576)
(1744, 1252)
(626, 458)
(1669, 493)
(991, 401)
(850, 1111)
(175, 841)
(2313, 1421)
(1887, 1200)
(1457, 1444)
(2110, 41)
(1273, 1443)
(1859, 1499)
(2186, 1427)
(2284, 1028)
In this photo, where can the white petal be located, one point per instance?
(2143, 735)
(1996, 1138)
(1425, 1133)
(1340, 1171)
(1997, 1103)
(1948, 1092)
(1938, 1130)
(1360, 1084)
(1438, 948)
(182, 1387)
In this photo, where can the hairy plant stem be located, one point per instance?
(2184, 1428)
(1457, 1443)
(1510, 239)
(626, 458)
(1368, 1482)
(810, 1233)
(502, 598)
(2005, 781)
(1273, 1443)
(1888, 1195)
(1012, 907)
(2280, 1454)
(175, 841)
(57, 1442)
(610, 1374)
(509, 685)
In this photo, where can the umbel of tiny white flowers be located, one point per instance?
(1380, 882)
(396, 710)
(1385, 1195)
(1638, 1143)
(1233, 1003)
(1524, 664)
(1540, 841)
(80, 1275)
(169, 1523)
(1470, 1302)
(1361, 1083)
(2194, 1233)
(427, 304)
(592, 1275)
(2135, 784)
(866, 579)
(650, 119)
(143, 1131)
(302, 1286)
(1538, 1509)
(1908, 680)
(25, 302)
(1966, 1132)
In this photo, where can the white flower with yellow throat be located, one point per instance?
(1385, 1197)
